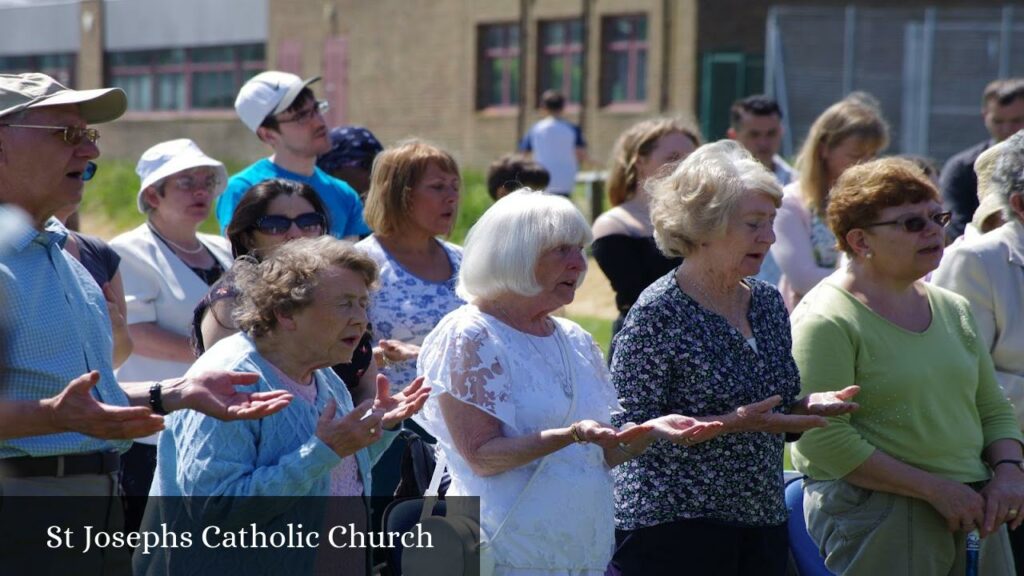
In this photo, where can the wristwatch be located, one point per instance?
(1018, 463)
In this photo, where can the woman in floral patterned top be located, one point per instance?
(848, 132)
(706, 340)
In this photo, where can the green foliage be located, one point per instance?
(599, 328)
(110, 199)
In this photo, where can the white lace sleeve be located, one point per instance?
(461, 357)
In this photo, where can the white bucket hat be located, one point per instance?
(268, 93)
(168, 158)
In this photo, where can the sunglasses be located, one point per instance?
(303, 116)
(72, 135)
(915, 223)
(275, 225)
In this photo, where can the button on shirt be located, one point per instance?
(54, 327)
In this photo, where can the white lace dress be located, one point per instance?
(564, 525)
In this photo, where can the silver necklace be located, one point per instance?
(174, 245)
(565, 374)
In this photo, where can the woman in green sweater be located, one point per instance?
(934, 451)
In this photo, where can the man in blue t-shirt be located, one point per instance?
(556, 144)
(281, 109)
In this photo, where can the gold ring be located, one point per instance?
(373, 431)
(1011, 512)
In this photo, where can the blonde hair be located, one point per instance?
(695, 201)
(856, 116)
(395, 172)
(636, 142)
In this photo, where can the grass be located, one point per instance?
(599, 328)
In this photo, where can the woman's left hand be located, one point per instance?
(402, 405)
(1004, 499)
(832, 403)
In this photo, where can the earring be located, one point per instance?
(869, 254)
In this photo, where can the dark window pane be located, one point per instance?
(213, 90)
(576, 78)
(171, 92)
(252, 53)
(138, 89)
(640, 87)
(213, 54)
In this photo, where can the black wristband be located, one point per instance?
(1014, 461)
(155, 400)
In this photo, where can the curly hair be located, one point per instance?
(636, 142)
(695, 201)
(286, 280)
(863, 191)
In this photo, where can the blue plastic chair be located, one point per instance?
(807, 560)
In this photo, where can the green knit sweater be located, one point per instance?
(929, 399)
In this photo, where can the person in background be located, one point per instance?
(556, 144)
(514, 171)
(271, 214)
(756, 123)
(934, 452)
(413, 203)
(710, 341)
(1002, 109)
(624, 244)
(282, 111)
(167, 267)
(989, 272)
(848, 132)
(350, 158)
(102, 262)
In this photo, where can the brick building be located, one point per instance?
(465, 74)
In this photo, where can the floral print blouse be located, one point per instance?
(675, 356)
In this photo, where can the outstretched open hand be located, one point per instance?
(215, 394)
(831, 403)
(400, 406)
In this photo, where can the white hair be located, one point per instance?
(502, 248)
(1008, 176)
(695, 201)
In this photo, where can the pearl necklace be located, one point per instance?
(174, 245)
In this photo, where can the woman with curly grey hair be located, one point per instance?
(301, 310)
(710, 341)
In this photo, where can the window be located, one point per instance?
(61, 67)
(497, 66)
(560, 61)
(184, 78)
(624, 59)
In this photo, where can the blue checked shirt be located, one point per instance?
(54, 327)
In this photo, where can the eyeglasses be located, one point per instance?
(915, 223)
(193, 184)
(304, 116)
(275, 224)
(73, 135)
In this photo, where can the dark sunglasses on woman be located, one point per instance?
(915, 223)
(275, 225)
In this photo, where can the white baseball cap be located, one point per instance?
(268, 93)
(168, 158)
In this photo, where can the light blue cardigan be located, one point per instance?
(279, 455)
(277, 459)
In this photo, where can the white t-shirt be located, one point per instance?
(553, 142)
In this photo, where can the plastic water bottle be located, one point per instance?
(973, 550)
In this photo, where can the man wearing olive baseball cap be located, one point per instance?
(281, 109)
(55, 330)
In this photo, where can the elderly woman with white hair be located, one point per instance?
(710, 341)
(989, 272)
(522, 399)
